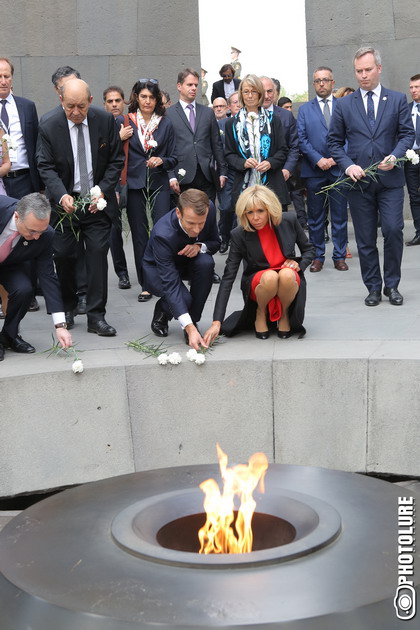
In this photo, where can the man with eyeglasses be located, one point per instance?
(227, 85)
(26, 236)
(319, 169)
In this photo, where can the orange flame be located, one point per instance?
(217, 535)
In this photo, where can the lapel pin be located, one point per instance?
(384, 98)
(25, 242)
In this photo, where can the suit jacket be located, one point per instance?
(198, 147)
(55, 156)
(245, 246)
(137, 171)
(313, 134)
(38, 251)
(166, 239)
(290, 135)
(392, 134)
(218, 90)
(29, 125)
(277, 157)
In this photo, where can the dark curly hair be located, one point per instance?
(153, 87)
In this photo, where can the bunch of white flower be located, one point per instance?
(174, 358)
(196, 357)
(412, 156)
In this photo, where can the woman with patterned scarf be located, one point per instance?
(150, 154)
(255, 144)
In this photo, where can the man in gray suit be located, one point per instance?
(198, 144)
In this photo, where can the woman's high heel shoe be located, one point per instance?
(284, 334)
(262, 335)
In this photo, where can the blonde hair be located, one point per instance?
(258, 197)
(256, 84)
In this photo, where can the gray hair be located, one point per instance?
(36, 203)
(364, 50)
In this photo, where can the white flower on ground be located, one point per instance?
(153, 144)
(174, 358)
(101, 204)
(77, 366)
(163, 358)
(191, 354)
(182, 172)
(95, 192)
(200, 359)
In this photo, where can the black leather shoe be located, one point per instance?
(33, 306)
(373, 298)
(223, 247)
(101, 328)
(216, 279)
(1, 352)
(160, 320)
(394, 296)
(17, 344)
(81, 305)
(262, 335)
(414, 241)
(69, 320)
(124, 281)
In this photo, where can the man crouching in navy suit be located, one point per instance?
(26, 236)
(181, 247)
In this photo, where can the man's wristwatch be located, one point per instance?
(61, 325)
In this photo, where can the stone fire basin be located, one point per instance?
(88, 558)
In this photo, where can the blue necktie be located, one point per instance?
(4, 115)
(370, 110)
(418, 125)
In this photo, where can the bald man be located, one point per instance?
(79, 147)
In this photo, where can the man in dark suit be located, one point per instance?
(376, 124)
(198, 141)
(227, 85)
(181, 247)
(26, 236)
(79, 148)
(319, 169)
(20, 118)
(412, 171)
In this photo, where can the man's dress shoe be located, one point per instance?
(33, 306)
(341, 265)
(216, 278)
(1, 352)
(316, 266)
(223, 247)
(124, 281)
(17, 344)
(101, 328)
(160, 321)
(394, 296)
(81, 304)
(373, 298)
(414, 241)
(69, 319)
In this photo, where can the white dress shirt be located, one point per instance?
(18, 157)
(73, 137)
(376, 93)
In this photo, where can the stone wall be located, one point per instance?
(109, 42)
(335, 30)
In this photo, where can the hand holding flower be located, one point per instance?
(263, 166)
(195, 340)
(387, 163)
(67, 203)
(64, 337)
(212, 333)
(251, 163)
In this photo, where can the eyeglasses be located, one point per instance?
(227, 76)
(250, 93)
(218, 106)
(318, 81)
(154, 81)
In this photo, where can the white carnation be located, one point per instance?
(174, 358)
(153, 144)
(191, 354)
(101, 204)
(410, 154)
(163, 358)
(95, 192)
(77, 366)
(182, 172)
(415, 160)
(200, 358)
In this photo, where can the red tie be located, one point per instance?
(6, 248)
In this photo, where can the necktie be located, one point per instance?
(327, 113)
(418, 125)
(4, 115)
(81, 154)
(6, 248)
(370, 110)
(192, 116)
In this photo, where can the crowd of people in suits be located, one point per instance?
(172, 167)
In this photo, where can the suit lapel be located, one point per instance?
(358, 101)
(318, 112)
(183, 117)
(94, 140)
(383, 100)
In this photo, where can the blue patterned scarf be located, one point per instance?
(240, 133)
